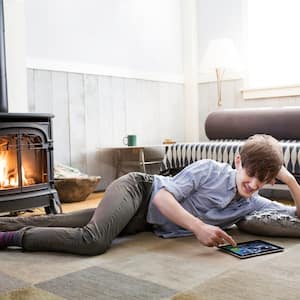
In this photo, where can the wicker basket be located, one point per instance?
(75, 189)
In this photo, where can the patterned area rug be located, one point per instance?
(98, 283)
(142, 267)
(275, 279)
(30, 293)
(89, 283)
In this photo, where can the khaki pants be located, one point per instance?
(122, 211)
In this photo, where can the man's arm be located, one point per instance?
(286, 177)
(208, 235)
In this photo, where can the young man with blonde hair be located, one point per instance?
(203, 199)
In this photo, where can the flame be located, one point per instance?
(6, 180)
(2, 171)
(25, 181)
(9, 179)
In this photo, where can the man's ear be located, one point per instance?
(237, 161)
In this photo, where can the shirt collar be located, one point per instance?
(232, 180)
(231, 187)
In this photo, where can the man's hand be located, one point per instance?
(286, 177)
(211, 236)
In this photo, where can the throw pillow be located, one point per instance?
(271, 223)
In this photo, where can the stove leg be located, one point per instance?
(55, 205)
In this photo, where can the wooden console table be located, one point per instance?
(139, 152)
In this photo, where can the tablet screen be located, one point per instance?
(251, 248)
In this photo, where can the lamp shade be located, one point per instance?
(220, 54)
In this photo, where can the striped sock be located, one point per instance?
(9, 238)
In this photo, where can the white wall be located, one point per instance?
(15, 42)
(90, 62)
(218, 19)
(94, 113)
(190, 69)
(140, 39)
(141, 36)
(133, 38)
(221, 19)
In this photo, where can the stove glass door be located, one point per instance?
(9, 178)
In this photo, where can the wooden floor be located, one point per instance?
(91, 201)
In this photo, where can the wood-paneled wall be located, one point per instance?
(93, 112)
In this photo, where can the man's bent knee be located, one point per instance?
(93, 248)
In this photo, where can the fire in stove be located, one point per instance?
(8, 166)
(9, 177)
(31, 167)
(26, 163)
(7, 180)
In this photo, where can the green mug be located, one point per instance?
(130, 140)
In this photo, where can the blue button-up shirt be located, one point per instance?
(207, 190)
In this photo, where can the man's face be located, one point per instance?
(246, 185)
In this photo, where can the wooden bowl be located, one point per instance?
(75, 189)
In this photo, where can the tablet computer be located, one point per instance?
(251, 249)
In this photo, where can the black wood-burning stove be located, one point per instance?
(26, 153)
(26, 163)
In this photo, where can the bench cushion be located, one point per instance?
(281, 123)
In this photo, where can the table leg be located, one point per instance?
(118, 163)
(142, 160)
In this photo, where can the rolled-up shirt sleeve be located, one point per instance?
(181, 186)
(190, 179)
(262, 203)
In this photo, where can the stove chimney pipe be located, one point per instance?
(3, 79)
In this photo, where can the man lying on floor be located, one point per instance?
(203, 199)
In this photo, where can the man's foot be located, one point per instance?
(7, 239)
